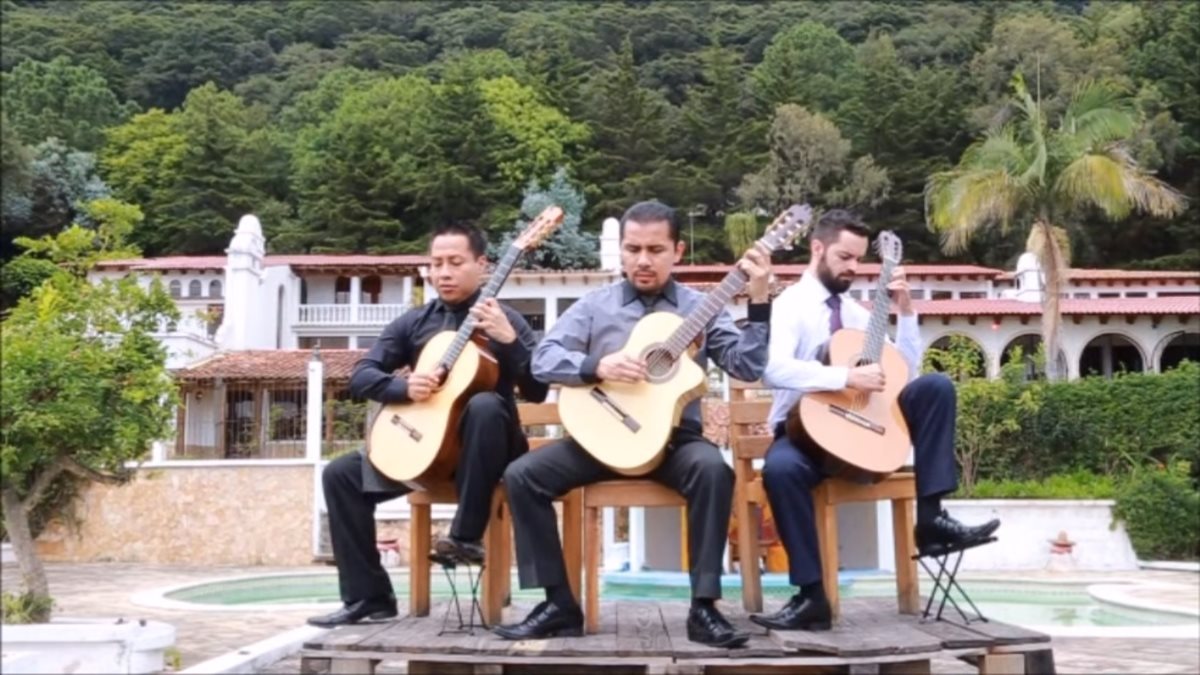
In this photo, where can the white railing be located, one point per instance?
(328, 315)
(379, 314)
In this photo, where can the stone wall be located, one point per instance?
(227, 515)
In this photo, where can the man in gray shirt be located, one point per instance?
(583, 347)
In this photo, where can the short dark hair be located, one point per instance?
(475, 239)
(832, 223)
(652, 211)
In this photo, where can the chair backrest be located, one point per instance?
(749, 405)
(535, 417)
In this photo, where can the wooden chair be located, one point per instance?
(597, 496)
(497, 539)
(749, 439)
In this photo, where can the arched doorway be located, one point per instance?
(1184, 346)
(957, 355)
(1029, 345)
(1110, 353)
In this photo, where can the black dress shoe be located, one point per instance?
(459, 549)
(546, 620)
(799, 614)
(372, 609)
(944, 532)
(706, 625)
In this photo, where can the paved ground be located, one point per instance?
(105, 589)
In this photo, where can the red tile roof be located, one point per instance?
(298, 261)
(1188, 304)
(181, 262)
(272, 364)
(864, 270)
(1122, 275)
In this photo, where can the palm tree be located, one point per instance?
(1025, 172)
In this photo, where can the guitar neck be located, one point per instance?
(877, 326)
(698, 318)
(497, 279)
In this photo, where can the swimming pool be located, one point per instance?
(1022, 602)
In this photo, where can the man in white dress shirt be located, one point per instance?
(807, 313)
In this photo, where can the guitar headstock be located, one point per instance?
(787, 227)
(543, 226)
(889, 248)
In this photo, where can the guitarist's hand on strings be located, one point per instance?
(757, 266)
(866, 379)
(491, 319)
(620, 367)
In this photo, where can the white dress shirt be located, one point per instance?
(800, 326)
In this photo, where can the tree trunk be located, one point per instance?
(16, 523)
(1054, 269)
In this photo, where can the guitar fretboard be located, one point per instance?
(499, 275)
(877, 326)
(713, 303)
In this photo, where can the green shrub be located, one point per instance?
(1161, 509)
(1075, 485)
(1011, 430)
(24, 608)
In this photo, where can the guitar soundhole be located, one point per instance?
(659, 364)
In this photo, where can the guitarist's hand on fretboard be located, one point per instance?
(491, 319)
(899, 291)
(757, 266)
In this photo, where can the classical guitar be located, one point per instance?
(627, 426)
(417, 442)
(854, 435)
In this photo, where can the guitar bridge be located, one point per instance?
(615, 410)
(408, 428)
(855, 418)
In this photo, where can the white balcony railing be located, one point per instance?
(341, 315)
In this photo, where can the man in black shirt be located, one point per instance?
(458, 265)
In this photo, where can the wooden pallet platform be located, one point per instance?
(651, 637)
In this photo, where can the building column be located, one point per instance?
(407, 291)
(312, 442)
(550, 313)
(355, 297)
(992, 363)
(1072, 356)
(637, 538)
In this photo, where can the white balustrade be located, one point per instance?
(341, 315)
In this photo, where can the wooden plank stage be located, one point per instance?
(651, 637)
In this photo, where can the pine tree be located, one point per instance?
(569, 248)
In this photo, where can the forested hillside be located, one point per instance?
(358, 126)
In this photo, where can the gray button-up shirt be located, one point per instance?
(600, 322)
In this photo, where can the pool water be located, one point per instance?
(1012, 601)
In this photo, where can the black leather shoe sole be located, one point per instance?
(566, 631)
(378, 615)
(731, 641)
(936, 548)
(382, 615)
(455, 551)
(767, 622)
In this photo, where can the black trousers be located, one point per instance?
(692, 466)
(487, 448)
(929, 407)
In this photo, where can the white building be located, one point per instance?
(1113, 319)
(251, 321)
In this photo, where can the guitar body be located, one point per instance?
(417, 442)
(627, 426)
(852, 435)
